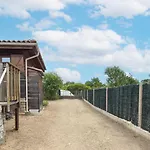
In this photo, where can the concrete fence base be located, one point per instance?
(70, 97)
(127, 124)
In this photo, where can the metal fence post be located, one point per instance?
(140, 105)
(106, 99)
(94, 97)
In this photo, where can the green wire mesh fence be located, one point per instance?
(123, 102)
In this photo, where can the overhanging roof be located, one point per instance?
(30, 45)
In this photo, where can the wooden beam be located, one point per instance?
(19, 85)
(11, 82)
(8, 89)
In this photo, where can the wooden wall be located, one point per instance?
(34, 79)
(18, 61)
(35, 89)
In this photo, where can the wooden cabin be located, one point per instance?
(25, 56)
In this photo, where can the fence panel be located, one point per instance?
(117, 94)
(134, 103)
(129, 102)
(97, 98)
(111, 100)
(120, 112)
(125, 96)
(102, 99)
(123, 102)
(90, 96)
(146, 107)
(85, 94)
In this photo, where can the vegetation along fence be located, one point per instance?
(131, 102)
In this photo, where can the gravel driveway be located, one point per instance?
(71, 125)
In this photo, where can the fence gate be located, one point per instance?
(33, 93)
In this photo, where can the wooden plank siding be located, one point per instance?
(35, 89)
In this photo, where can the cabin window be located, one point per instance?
(5, 59)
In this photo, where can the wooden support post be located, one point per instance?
(94, 97)
(18, 85)
(16, 93)
(11, 82)
(14, 83)
(106, 99)
(17, 118)
(8, 88)
(140, 105)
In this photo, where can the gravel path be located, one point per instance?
(71, 125)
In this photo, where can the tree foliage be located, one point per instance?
(94, 83)
(117, 77)
(146, 81)
(77, 87)
(52, 83)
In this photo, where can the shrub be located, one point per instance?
(52, 83)
(45, 103)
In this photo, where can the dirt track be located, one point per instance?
(71, 125)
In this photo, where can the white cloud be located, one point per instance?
(24, 26)
(123, 23)
(115, 8)
(73, 65)
(103, 26)
(118, 8)
(68, 75)
(85, 40)
(42, 24)
(59, 14)
(93, 46)
(22, 8)
(13, 11)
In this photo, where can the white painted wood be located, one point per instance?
(3, 75)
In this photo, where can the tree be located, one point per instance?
(117, 77)
(89, 83)
(52, 83)
(131, 80)
(77, 87)
(94, 83)
(65, 85)
(146, 81)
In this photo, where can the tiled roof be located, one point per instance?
(18, 41)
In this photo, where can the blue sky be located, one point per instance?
(80, 38)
